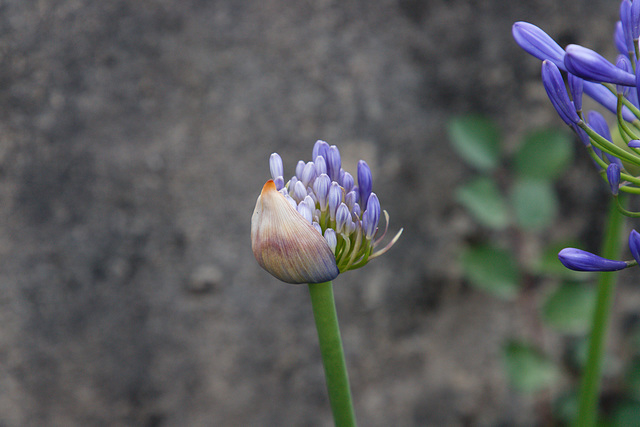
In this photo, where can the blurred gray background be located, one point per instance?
(134, 140)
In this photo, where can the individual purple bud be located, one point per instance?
(365, 182)
(635, 20)
(349, 227)
(299, 168)
(317, 227)
(579, 260)
(634, 143)
(575, 87)
(618, 38)
(347, 182)
(333, 163)
(321, 189)
(607, 99)
(321, 165)
(312, 195)
(627, 26)
(310, 202)
(304, 210)
(275, 166)
(308, 173)
(350, 200)
(371, 216)
(334, 199)
(356, 210)
(557, 92)
(599, 124)
(634, 245)
(342, 216)
(538, 43)
(299, 192)
(320, 148)
(590, 65)
(279, 182)
(332, 239)
(624, 64)
(613, 176)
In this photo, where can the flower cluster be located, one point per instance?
(319, 223)
(616, 87)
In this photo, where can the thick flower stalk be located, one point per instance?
(320, 223)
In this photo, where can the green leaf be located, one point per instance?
(528, 370)
(544, 154)
(569, 308)
(534, 202)
(477, 141)
(483, 200)
(491, 269)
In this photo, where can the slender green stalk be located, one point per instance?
(335, 368)
(589, 388)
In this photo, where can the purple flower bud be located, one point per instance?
(332, 239)
(624, 64)
(320, 148)
(599, 124)
(279, 182)
(607, 99)
(299, 192)
(356, 210)
(627, 26)
(557, 92)
(634, 245)
(365, 182)
(618, 37)
(334, 199)
(299, 168)
(310, 202)
(321, 189)
(304, 210)
(308, 174)
(634, 143)
(333, 163)
(590, 65)
(350, 200)
(538, 43)
(275, 166)
(349, 227)
(347, 182)
(371, 216)
(317, 227)
(613, 176)
(575, 87)
(635, 20)
(579, 260)
(291, 201)
(321, 165)
(342, 216)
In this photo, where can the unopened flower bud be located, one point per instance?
(590, 65)
(634, 245)
(579, 260)
(371, 216)
(557, 92)
(334, 163)
(365, 183)
(613, 176)
(275, 166)
(538, 43)
(286, 244)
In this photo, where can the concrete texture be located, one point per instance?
(134, 140)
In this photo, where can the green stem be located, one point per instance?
(589, 388)
(335, 368)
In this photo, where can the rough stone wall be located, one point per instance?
(134, 140)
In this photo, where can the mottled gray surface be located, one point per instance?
(134, 139)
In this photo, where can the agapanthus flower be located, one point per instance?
(320, 222)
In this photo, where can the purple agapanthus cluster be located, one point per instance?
(345, 211)
(570, 73)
